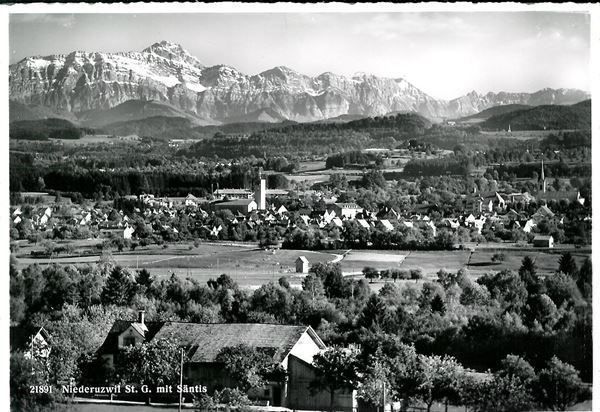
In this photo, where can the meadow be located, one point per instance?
(252, 267)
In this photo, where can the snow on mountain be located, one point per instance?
(83, 81)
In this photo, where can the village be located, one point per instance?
(242, 215)
(370, 210)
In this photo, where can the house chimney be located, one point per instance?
(141, 314)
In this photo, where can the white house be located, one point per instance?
(347, 210)
(128, 232)
(191, 200)
(301, 264)
(543, 241)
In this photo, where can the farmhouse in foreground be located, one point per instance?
(292, 347)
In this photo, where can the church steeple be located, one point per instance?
(543, 177)
(509, 128)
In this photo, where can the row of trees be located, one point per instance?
(401, 374)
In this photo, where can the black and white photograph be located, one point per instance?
(254, 208)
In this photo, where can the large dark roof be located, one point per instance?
(205, 340)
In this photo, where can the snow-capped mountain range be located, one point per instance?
(80, 82)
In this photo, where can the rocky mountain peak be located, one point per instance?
(172, 52)
(165, 72)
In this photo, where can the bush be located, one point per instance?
(204, 401)
(416, 274)
(498, 257)
(231, 397)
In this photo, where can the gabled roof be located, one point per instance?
(386, 223)
(205, 340)
(337, 221)
(20, 336)
(544, 211)
(363, 223)
(110, 344)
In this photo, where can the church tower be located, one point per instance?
(260, 194)
(509, 131)
(543, 178)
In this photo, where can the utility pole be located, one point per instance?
(181, 381)
(383, 396)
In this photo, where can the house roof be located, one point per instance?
(236, 202)
(303, 259)
(386, 223)
(544, 210)
(110, 344)
(363, 223)
(233, 191)
(540, 238)
(205, 340)
(348, 206)
(276, 192)
(20, 336)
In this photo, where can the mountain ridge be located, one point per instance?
(84, 81)
(545, 117)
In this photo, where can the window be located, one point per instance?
(128, 341)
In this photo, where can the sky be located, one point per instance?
(445, 54)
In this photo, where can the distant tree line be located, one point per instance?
(354, 157)
(438, 167)
(46, 129)
(555, 169)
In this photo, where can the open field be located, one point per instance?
(96, 139)
(430, 262)
(323, 175)
(477, 263)
(312, 165)
(308, 178)
(251, 266)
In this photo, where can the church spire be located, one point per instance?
(543, 177)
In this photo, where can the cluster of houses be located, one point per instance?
(267, 207)
(481, 202)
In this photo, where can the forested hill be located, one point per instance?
(411, 123)
(550, 117)
(240, 128)
(46, 129)
(314, 138)
(159, 127)
(492, 111)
